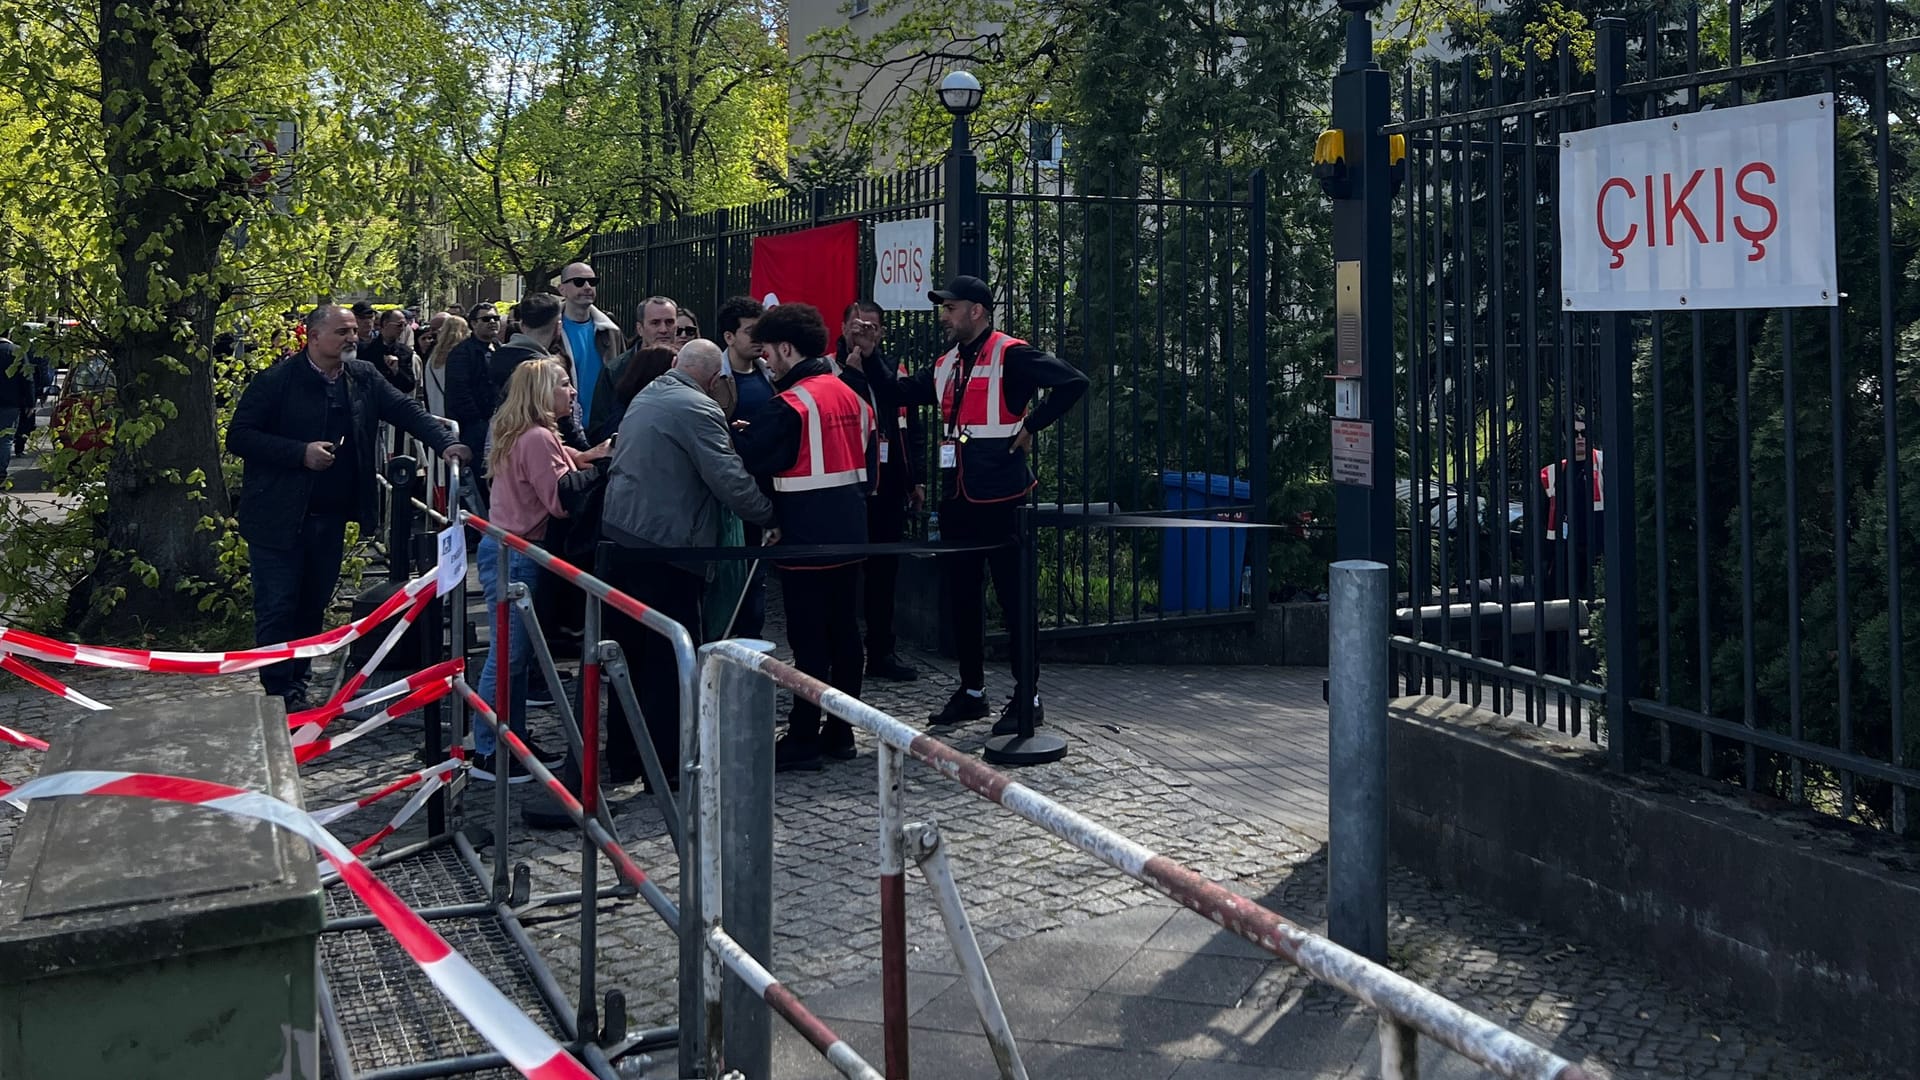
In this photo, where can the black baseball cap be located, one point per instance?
(964, 287)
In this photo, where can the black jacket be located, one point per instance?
(282, 410)
(469, 394)
(377, 350)
(17, 389)
(1027, 372)
(771, 442)
(515, 352)
(906, 464)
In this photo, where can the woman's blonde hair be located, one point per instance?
(453, 331)
(529, 405)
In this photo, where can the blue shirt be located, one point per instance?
(586, 359)
(755, 391)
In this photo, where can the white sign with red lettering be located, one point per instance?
(902, 261)
(1730, 208)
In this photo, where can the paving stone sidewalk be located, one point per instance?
(1219, 768)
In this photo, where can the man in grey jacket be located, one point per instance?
(674, 467)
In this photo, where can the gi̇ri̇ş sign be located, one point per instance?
(1730, 208)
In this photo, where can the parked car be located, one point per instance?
(82, 418)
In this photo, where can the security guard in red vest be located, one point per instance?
(986, 392)
(1575, 493)
(900, 484)
(814, 442)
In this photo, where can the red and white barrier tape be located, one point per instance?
(314, 745)
(21, 738)
(27, 643)
(44, 681)
(397, 822)
(379, 656)
(530, 1050)
(318, 717)
(334, 813)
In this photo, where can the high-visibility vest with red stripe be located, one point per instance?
(1549, 479)
(983, 407)
(834, 427)
(983, 425)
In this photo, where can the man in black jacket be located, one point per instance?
(307, 431)
(900, 484)
(469, 390)
(984, 477)
(814, 444)
(392, 357)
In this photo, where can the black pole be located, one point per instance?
(1026, 746)
(400, 473)
(1363, 264)
(963, 239)
(1621, 614)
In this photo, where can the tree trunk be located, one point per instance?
(166, 224)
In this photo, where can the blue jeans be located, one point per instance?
(291, 589)
(519, 643)
(9, 426)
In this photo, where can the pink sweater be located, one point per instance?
(527, 492)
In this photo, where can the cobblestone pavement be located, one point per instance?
(1028, 894)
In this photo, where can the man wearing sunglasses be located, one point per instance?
(592, 339)
(469, 393)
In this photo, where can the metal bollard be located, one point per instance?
(1359, 803)
(746, 701)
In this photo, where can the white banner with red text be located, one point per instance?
(1729, 208)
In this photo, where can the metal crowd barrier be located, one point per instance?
(1406, 1009)
(726, 772)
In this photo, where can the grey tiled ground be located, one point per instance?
(1220, 768)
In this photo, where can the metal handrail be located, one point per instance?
(1405, 1007)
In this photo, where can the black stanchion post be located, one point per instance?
(1026, 746)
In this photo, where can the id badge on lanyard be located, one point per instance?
(949, 454)
(884, 444)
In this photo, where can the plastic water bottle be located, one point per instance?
(933, 527)
(1246, 586)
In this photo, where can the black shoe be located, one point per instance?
(543, 812)
(891, 667)
(540, 694)
(845, 751)
(296, 700)
(516, 772)
(1009, 724)
(550, 758)
(792, 755)
(959, 709)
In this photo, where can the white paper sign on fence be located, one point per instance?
(1730, 208)
(903, 263)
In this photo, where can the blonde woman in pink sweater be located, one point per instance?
(528, 465)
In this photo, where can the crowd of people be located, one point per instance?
(775, 433)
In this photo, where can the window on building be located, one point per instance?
(1046, 143)
(860, 7)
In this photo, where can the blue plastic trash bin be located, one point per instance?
(1200, 568)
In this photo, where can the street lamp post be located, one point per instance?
(960, 93)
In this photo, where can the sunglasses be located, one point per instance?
(686, 331)
(487, 318)
(581, 281)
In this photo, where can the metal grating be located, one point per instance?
(437, 877)
(389, 1010)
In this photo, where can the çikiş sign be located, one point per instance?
(1731, 208)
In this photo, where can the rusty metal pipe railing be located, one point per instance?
(1402, 1003)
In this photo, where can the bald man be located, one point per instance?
(591, 338)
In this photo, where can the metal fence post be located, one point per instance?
(745, 700)
(721, 220)
(1257, 396)
(1359, 805)
(1619, 530)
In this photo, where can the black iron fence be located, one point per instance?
(1737, 608)
(1153, 287)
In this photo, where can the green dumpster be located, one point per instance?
(147, 939)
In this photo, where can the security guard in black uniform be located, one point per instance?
(987, 394)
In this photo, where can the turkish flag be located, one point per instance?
(812, 266)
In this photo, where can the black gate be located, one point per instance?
(1156, 294)
(1738, 610)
